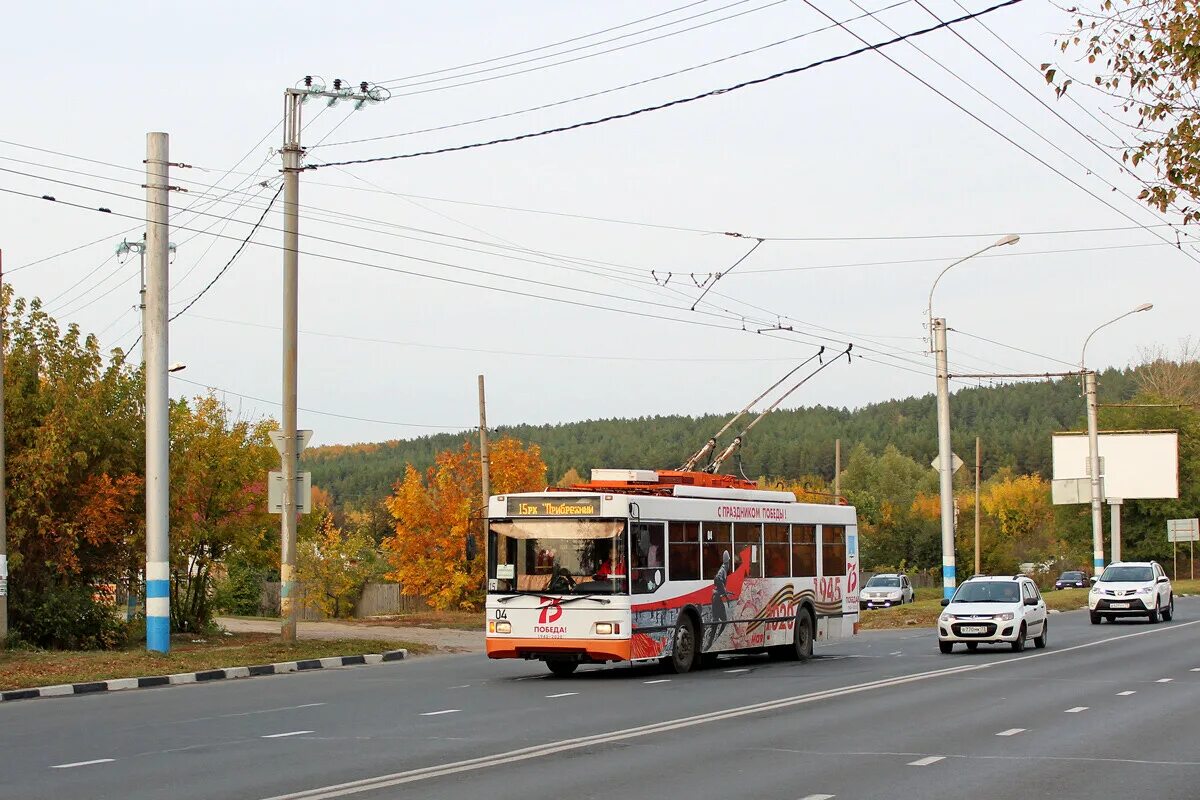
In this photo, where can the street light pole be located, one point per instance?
(937, 329)
(1089, 391)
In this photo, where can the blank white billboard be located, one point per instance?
(1135, 465)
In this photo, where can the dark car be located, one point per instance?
(1071, 580)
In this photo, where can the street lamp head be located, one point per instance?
(1012, 238)
(1144, 307)
(178, 366)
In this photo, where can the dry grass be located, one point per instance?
(455, 620)
(23, 669)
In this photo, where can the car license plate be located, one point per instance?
(1118, 605)
(972, 629)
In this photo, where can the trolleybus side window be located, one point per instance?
(833, 549)
(714, 543)
(684, 555)
(776, 550)
(747, 542)
(804, 551)
(646, 541)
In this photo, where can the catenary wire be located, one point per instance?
(679, 101)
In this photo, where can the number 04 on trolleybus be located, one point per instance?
(674, 566)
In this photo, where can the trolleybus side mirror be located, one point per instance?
(472, 549)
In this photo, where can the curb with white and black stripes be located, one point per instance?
(226, 673)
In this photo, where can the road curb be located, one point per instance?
(202, 676)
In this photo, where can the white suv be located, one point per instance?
(1132, 589)
(993, 610)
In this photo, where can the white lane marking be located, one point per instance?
(566, 745)
(818, 797)
(925, 762)
(1126, 693)
(1012, 732)
(1164, 680)
(660, 680)
(462, 686)
(284, 735)
(562, 694)
(1076, 710)
(897, 653)
(269, 710)
(443, 711)
(732, 671)
(1195, 669)
(83, 763)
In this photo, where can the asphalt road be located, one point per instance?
(1108, 710)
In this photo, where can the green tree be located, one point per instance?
(218, 502)
(1143, 54)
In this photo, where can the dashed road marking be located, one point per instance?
(83, 763)
(741, 669)
(443, 711)
(1012, 732)
(660, 680)
(818, 797)
(1126, 693)
(1076, 710)
(562, 694)
(462, 686)
(1195, 669)
(1164, 680)
(925, 762)
(284, 735)
(897, 653)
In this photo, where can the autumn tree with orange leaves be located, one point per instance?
(434, 514)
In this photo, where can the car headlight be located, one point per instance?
(1145, 590)
(1005, 617)
(1094, 590)
(946, 618)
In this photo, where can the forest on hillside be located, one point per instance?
(1014, 421)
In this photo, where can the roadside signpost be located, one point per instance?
(1183, 530)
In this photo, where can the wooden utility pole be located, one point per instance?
(978, 459)
(837, 470)
(483, 453)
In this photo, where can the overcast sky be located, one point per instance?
(836, 159)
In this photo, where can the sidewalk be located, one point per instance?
(445, 640)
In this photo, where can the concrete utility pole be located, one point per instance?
(1114, 516)
(3, 493)
(978, 459)
(945, 456)
(158, 474)
(1089, 390)
(293, 100)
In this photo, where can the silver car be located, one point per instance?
(886, 590)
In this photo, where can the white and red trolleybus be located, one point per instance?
(675, 566)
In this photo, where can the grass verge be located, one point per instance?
(21, 669)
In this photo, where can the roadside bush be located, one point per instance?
(65, 618)
(241, 590)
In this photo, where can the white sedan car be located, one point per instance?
(1132, 589)
(885, 591)
(994, 609)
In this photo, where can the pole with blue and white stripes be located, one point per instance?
(945, 456)
(154, 348)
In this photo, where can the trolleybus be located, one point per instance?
(674, 566)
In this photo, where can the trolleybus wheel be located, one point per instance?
(683, 656)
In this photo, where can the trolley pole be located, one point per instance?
(837, 470)
(293, 101)
(158, 475)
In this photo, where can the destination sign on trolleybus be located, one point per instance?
(553, 506)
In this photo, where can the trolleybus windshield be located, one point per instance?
(558, 556)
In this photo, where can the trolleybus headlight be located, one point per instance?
(607, 628)
(500, 626)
